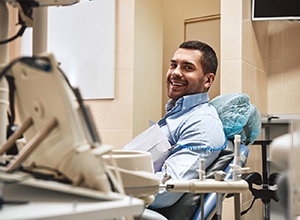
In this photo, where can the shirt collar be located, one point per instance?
(188, 101)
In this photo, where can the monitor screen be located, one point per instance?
(275, 10)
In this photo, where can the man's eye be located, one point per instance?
(188, 68)
(174, 65)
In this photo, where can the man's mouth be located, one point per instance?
(179, 84)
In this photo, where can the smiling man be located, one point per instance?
(191, 124)
(186, 76)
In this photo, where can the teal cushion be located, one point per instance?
(238, 116)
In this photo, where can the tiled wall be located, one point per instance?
(260, 58)
(284, 67)
(243, 53)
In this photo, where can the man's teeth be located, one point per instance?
(178, 84)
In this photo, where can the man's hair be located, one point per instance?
(209, 60)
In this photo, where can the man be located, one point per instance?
(191, 124)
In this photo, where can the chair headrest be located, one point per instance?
(238, 116)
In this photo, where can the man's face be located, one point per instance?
(185, 75)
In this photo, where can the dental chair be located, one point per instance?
(223, 162)
(193, 200)
(238, 116)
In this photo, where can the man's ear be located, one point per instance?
(210, 77)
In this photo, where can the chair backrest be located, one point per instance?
(238, 116)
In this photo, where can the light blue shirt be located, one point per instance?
(193, 125)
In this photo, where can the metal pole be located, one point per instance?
(237, 206)
(4, 55)
(219, 206)
(40, 30)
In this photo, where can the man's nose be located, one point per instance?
(177, 72)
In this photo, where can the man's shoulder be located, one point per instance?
(205, 109)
